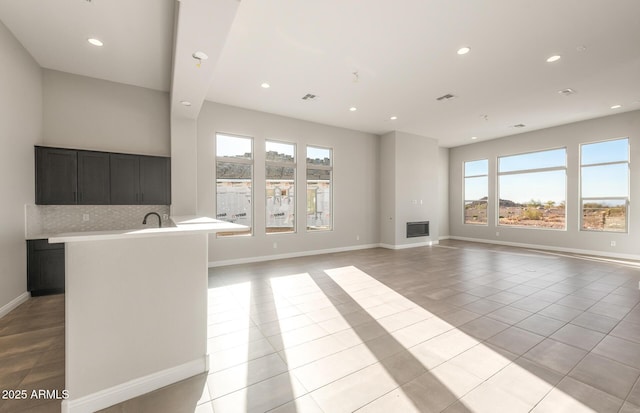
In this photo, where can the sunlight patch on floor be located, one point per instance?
(302, 338)
(473, 372)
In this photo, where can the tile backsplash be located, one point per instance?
(58, 219)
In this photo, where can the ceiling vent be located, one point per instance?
(566, 92)
(448, 96)
(519, 125)
(309, 96)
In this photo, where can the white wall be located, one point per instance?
(443, 192)
(355, 191)
(20, 129)
(184, 169)
(570, 136)
(135, 307)
(87, 113)
(416, 195)
(388, 188)
(409, 187)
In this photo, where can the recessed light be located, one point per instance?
(519, 125)
(464, 50)
(95, 42)
(616, 106)
(553, 58)
(353, 108)
(393, 118)
(185, 102)
(473, 138)
(265, 85)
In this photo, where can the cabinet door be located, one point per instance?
(155, 180)
(45, 267)
(93, 178)
(125, 181)
(56, 176)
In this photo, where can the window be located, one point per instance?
(280, 187)
(319, 185)
(234, 181)
(604, 188)
(476, 189)
(532, 189)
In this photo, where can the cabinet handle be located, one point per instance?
(136, 197)
(75, 196)
(142, 197)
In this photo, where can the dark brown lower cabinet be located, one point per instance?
(45, 267)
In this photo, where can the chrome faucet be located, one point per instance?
(144, 221)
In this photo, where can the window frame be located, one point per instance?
(294, 166)
(331, 185)
(531, 171)
(239, 161)
(464, 191)
(627, 200)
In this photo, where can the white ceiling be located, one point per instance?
(404, 53)
(137, 36)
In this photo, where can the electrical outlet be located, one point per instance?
(165, 217)
(85, 217)
(357, 237)
(613, 243)
(275, 245)
(497, 234)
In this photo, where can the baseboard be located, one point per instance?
(290, 255)
(134, 388)
(405, 246)
(552, 248)
(444, 237)
(6, 309)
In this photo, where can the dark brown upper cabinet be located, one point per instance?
(137, 179)
(56, 176)
(155, 180)
(70, 177)
(93, 178)
(125, 182)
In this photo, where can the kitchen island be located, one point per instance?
(136, 310)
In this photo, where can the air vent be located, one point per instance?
(448, 96)
(567, 92)
(309, 96)
(519, 125)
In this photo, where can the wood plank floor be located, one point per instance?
(460, 327)
(32, 353)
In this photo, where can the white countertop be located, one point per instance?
(32, 237)
(184, 225)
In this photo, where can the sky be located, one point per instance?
(233, 146)
(602, 181)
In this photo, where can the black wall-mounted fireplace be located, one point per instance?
(418, 229)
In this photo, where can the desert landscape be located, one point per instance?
(537, 214)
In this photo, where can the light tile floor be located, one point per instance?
(459, 327)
